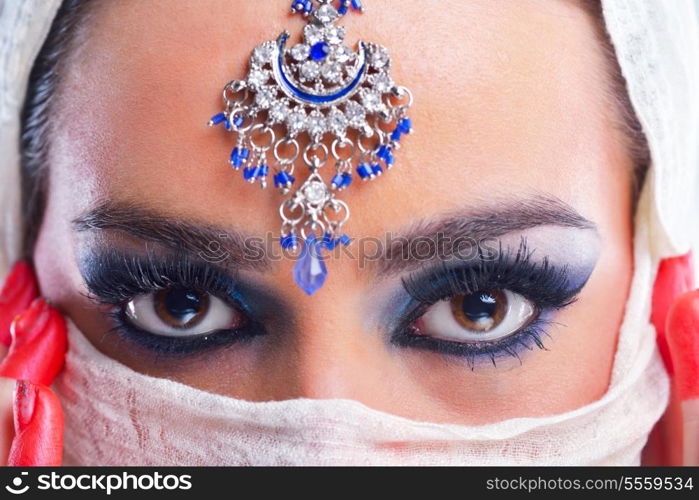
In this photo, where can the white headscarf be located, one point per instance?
(117, 416)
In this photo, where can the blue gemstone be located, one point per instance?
(283, 179)
(251, 173)
(405, 126)
(396, 135)
(376, 169)
(364, 170)
(319, 51)
(264, 171)
(346, 179)
(383, 152)
(310, 271)
(389, 160)
(328, 242)
(357, 4)
(342, 9)
(237, 121)
(289, 241)
(298, 5)
(337, 181)
(238, 156)
(216, 119)
(308, 8)
(345, 240)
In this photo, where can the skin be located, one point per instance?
(520, 109)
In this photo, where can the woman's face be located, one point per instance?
(515, 147)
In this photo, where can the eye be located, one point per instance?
(181, 312)
(481, 316)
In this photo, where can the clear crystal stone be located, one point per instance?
(337, 122)
(315, 192)
(371, 101)
(355, 114)
(265, 97)
(382, 82)
(326, 14)
(379, 58)
(278, 111)
(335, 34)
(342, 54)
(332, 72)
(296, 121)
(316, 124)
(310, 70)
(300, 52)
(313, 34)
(263, 53)
(257, 77)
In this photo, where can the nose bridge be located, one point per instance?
(335, 356)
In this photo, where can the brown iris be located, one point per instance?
(480, 311)
(181, 308)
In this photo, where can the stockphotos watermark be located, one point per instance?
(107, 483)
(366, 250)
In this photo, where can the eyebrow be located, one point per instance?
(475, 225)
(488, 221)
(209, 242)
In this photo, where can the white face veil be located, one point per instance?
(115, 416)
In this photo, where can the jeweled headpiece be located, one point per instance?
(347, 106)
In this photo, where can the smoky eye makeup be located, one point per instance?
(486, 309)
(173, 304)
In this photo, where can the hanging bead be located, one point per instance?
(290, 241)
(217, 119)
(310, 271)
(365, 171)
(239, 156)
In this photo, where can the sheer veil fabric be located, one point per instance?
(115, 416)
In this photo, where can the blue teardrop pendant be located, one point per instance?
(310, 270)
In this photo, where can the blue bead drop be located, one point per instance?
(337, 181)
(346, 179)
(216, 119)
(364, 170)
(357, 4)
(405, 126)
(251, 173)
(328, 242)
(310, 270)
(237, 121)
(289, 241)
(238, 157)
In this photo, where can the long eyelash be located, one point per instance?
(547, 286)
(543, 283)
(114, 278)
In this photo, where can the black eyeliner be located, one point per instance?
(547, 286)
(114, 277)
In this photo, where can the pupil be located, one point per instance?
(179, 307)
(479, 306)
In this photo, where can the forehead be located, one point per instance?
(508, 98)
